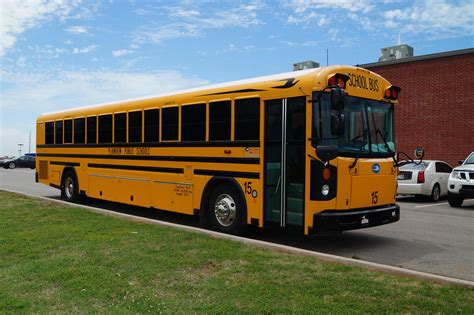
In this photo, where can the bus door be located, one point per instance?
(285, 129)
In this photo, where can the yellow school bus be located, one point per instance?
(311, 149)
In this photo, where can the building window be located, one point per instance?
(105, 129)
(247, 119)
(170, 119)
(193, 122)
(152, 125)
(68, 131)
(49, 133)
(120, 128)
(92, 129)
(79, 130)
(59, 132)
(219, 120)
(135, 127)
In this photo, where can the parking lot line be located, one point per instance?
(432, 205)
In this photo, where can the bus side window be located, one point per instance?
(219, 120)
(68, 131)
(92, 129)
(59, 132)
(49, 133)
(105, 129)
(79, 130)
(193, 122)
(120, 128)
(152, 125)
(169, 131)
(247, 119)
(135, 126)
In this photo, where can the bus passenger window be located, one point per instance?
(120, 128)
(135, 127)
(219, 120)
(105, 129)
(170, 118)
(59, 132)
(247, 119)
(68, 131)
(92, 129)
(193, 122)
(152, 125)
(79, 130)
(49, 133)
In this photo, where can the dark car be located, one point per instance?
(22, 161)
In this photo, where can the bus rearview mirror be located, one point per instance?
(327, 152)
(337, 99)
(337, 124)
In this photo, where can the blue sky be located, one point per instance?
(58, 54)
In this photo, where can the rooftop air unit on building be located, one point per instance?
(305, 65)
(396, 52)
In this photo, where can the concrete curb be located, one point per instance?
(273, 246)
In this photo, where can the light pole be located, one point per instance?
(19, 148)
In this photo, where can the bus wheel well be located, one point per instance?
(210, 186)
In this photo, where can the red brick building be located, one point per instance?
(436, 104)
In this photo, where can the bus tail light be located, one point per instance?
(421, 177)
(392, 92)
(338, 79)
(326, 174)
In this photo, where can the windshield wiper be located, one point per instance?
(361, 149)
(377, 131)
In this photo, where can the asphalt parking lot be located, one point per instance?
(430, 237)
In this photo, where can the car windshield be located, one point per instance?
(470, 159)
(412, 166)
(368, 126)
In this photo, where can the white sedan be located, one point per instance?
(428, 178)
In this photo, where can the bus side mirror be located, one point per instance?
(327, 152)
(337, 99)
(337, 124)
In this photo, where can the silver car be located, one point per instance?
(429, 178)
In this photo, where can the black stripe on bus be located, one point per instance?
(235, 91)
(191, 144)
(236, 160)
(138, 168)
(227, 174)
(64, 163)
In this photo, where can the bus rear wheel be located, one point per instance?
(227, 210)
(70, 187)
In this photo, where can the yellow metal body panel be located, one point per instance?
(182, 192)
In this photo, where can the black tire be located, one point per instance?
(435, 193)
(227, 210)
(70, 187)
(11, 165)
(455, 201)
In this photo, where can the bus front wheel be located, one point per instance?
(227, 210)
(69, 187)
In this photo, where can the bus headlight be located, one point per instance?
(325, 190)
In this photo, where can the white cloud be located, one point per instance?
(16, 18)
(121, 52)
(193, 23)
(302, 6)
(84, 50)
(436, 18)
(76, 29)
(35, 93)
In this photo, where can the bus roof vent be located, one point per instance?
(305, 65)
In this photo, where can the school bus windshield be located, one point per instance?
(368, 127)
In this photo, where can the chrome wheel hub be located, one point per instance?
(69, 187)
(225, 210)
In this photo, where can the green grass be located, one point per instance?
(62, 259)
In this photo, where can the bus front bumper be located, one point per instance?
(342, 220)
